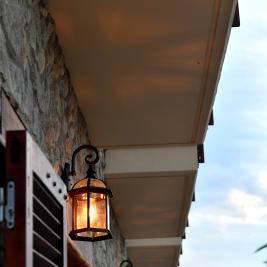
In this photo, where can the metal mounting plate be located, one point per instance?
(10, 205)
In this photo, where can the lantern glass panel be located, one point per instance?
(98, 211)
(80, 211)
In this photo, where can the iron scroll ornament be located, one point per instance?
(89, 160)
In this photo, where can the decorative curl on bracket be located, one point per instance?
(88, 159)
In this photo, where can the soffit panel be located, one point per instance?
(141, 69)
(152, 207)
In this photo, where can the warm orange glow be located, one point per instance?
(93, 213)
(89, 199)
(81, 211)
(97, 211)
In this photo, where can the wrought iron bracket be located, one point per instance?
(91, 160)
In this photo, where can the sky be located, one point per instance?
(228, 221)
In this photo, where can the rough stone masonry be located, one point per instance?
(34, 77)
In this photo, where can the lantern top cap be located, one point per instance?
(89, 182)
(93, 184)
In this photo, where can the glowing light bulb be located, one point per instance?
(82, 212)
(93, 213)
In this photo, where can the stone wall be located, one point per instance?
(34, 77)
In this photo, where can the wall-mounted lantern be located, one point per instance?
(89, 198)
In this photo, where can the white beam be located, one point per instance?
(150, 161)
(154, 242)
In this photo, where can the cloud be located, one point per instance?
(257, 119)
(258, 173)
(250, 209)
(262, 179)
(254, 17)
(240, 208)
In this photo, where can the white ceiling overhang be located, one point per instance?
(153, 189)
(145, 74)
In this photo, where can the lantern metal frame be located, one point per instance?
(88, 189)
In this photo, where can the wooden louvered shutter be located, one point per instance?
(38, 237)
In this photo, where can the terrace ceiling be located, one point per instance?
(145, 72)
(145, 75)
